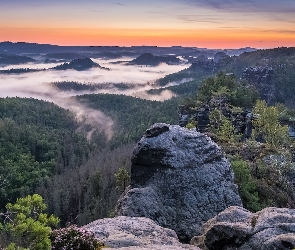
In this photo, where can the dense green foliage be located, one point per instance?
(132, 116)
(186, 89)
(37, 139)
(198, 71)
(225, 87)
(77, 86)
(90, 191)
(246, 183)
(262, 164)
(40, 149)
(282, 60)
(26, 226)
(267, 125)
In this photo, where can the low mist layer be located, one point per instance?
(39, 85)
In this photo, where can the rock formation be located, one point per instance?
(241, 120)
(237, 228)
(179, 179)
(261, 78)
(135, 233)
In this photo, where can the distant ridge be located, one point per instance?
(152, 60)
(79, 64)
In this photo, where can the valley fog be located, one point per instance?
(39, 85)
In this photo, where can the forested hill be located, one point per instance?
(280, 60)
(132, 116)
(37, 140)
(40, 148)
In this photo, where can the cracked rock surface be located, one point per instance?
(135, 233)
(237, 228)
(179, 179)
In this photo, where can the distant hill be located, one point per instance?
(79, 64)
(7, 59)
(152, 60)
(76, 64)
(66, 56)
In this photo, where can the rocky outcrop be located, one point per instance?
(135, 233)
(237, 228)
(261, 78)
(241, 120)
(179, 179)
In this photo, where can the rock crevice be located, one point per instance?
(180, 179)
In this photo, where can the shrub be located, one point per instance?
(25, 226)
(246, 183)
(74, 238)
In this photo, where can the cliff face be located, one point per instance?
(180, 179)
(261, 78)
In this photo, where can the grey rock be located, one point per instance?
(262, 79)
(180, 179)
(156, 130)
(135, 233)
(237, 228)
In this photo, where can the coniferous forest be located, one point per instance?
(45, 150)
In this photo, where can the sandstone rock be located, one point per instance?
(237, 228)
(261, 78)
(135, 233)
(179, 179)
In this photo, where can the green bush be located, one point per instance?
(246, 183)
(25, 226)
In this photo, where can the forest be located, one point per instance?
(281, 60)
(44, 149)
(262, 160)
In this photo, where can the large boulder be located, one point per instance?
(180, 179)
(237, 228)
(135, 233)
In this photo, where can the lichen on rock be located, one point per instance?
(180, 179)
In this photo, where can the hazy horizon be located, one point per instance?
(192, 23)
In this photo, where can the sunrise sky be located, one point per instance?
(197, 23)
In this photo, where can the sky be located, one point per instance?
(193, 23)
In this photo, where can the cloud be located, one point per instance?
(282, 31)
(199, 18)
(121, 4)
(264, 6)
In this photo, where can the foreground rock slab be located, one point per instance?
(237, 228)
(135, 233)
(179, 179)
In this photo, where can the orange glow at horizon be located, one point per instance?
(210, 38)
